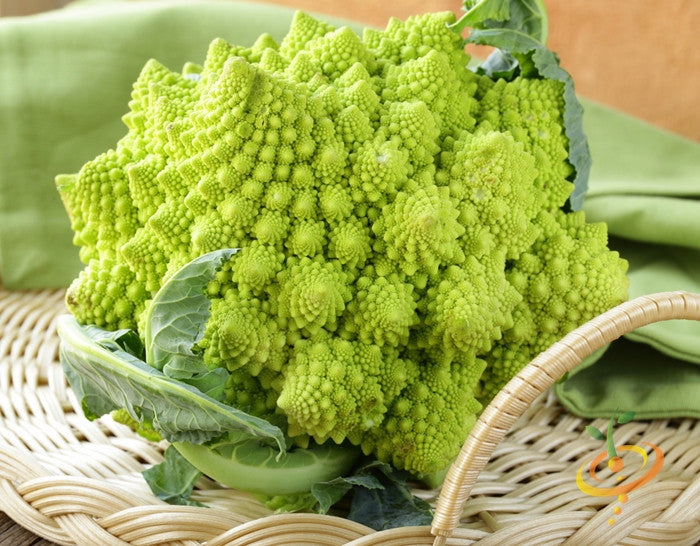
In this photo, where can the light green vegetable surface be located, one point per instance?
(406, 241)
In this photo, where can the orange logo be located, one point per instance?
(617, 465)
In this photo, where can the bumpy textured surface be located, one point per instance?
(400, 219)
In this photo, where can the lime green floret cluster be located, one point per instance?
(405, 248)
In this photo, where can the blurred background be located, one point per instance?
(638, 56)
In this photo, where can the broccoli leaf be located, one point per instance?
(106, 378)
(177, 315)
(126, 340)
(526, 16)
(391, 505)
(381, 497)
(330, 492)
(211, 383)
(173, 479)
(519, 29)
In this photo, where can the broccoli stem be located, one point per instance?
(250, 466)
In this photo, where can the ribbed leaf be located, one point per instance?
(177, 315)
(107, 379)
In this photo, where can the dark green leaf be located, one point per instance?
(389, 506)
(329, 493)
(173, 479)
(126, 340)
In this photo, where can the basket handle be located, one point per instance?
(535, 378)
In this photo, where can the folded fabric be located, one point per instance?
(65, 80)
(645, 184)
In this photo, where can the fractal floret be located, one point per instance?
(406, 240)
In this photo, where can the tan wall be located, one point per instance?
(637, 55)
(23, 7)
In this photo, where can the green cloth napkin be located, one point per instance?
(645, 183)
(65, 79)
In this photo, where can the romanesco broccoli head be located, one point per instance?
(338, 389)
(405, 242)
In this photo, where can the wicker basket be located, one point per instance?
(73, 481)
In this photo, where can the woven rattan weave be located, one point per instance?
(73, 481)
